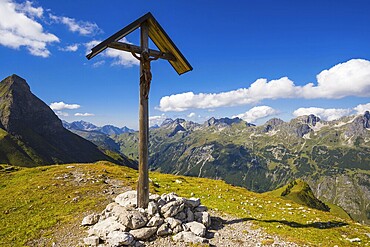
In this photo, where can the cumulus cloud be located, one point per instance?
(62, 114)
(351, 78)
(360, 109)
(119, 57)
(71, 48)
(18, 28)
(84, 114)
(81, 27)
(256, 113)
(31, 11)
(57, 106)
(325, 114)
(191, 115)
(153, 120)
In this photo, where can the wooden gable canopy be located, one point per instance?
(167, 49)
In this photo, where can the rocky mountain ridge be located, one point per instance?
(86, 126)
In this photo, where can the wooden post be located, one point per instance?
(167, 51)
(145, 78)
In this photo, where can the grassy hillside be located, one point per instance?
(300, 192)
(11, 151)
(39, 202)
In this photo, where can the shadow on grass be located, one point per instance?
(318, 225)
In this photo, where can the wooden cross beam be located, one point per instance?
(149, 28)
(137, 49)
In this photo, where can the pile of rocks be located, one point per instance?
(123, 224)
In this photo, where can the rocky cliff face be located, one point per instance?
(350, 191)
(37, 131)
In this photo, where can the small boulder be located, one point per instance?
(180, 216)
(169, 197)
(103, 228)
(143, 233)
(133, 219)
(189, 215)
(156, 220)
(91, 219)
(91, 241)
(172, 208)
(116, 238)
(127, 199)
(152, 208)
(164, 230)
(203, 217)
(154, 197)
(188, 237)
(192, 202)
(197, 228)
(172, 222)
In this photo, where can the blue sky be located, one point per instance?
(252, 59)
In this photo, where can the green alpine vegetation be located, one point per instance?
(45, 203)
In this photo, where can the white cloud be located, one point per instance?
(61, 106)
(84, 114)
(351, 78)
(62, 114)
(98, 64)
(27, 8)
(18, 28)
(191, 115)
(120, 57)
(71, 48)
(81, 27)
(256, 113)
(360, 109)
(153, 120)
(324, 114)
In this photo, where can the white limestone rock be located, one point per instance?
(156, 220)
(117, 238)
(197, 228)
(164, 230)
(103, 228)
(91, 241)
(129, 198)
(143, 233)
(90, 220)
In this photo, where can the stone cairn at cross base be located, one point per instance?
(123, 224)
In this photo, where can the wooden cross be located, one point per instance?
(149, 28)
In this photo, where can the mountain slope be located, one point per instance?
(263, 158)
(33, 129)
(35, 211)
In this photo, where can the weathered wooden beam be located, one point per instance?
(143, 183)
(137, 49)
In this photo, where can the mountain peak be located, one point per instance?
(31, 122)
(222, 121)
(312, 119)
(15, 81)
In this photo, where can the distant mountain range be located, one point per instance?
(332, 156)
(31, 134)
(86, 126)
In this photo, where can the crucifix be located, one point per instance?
(149, 28)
